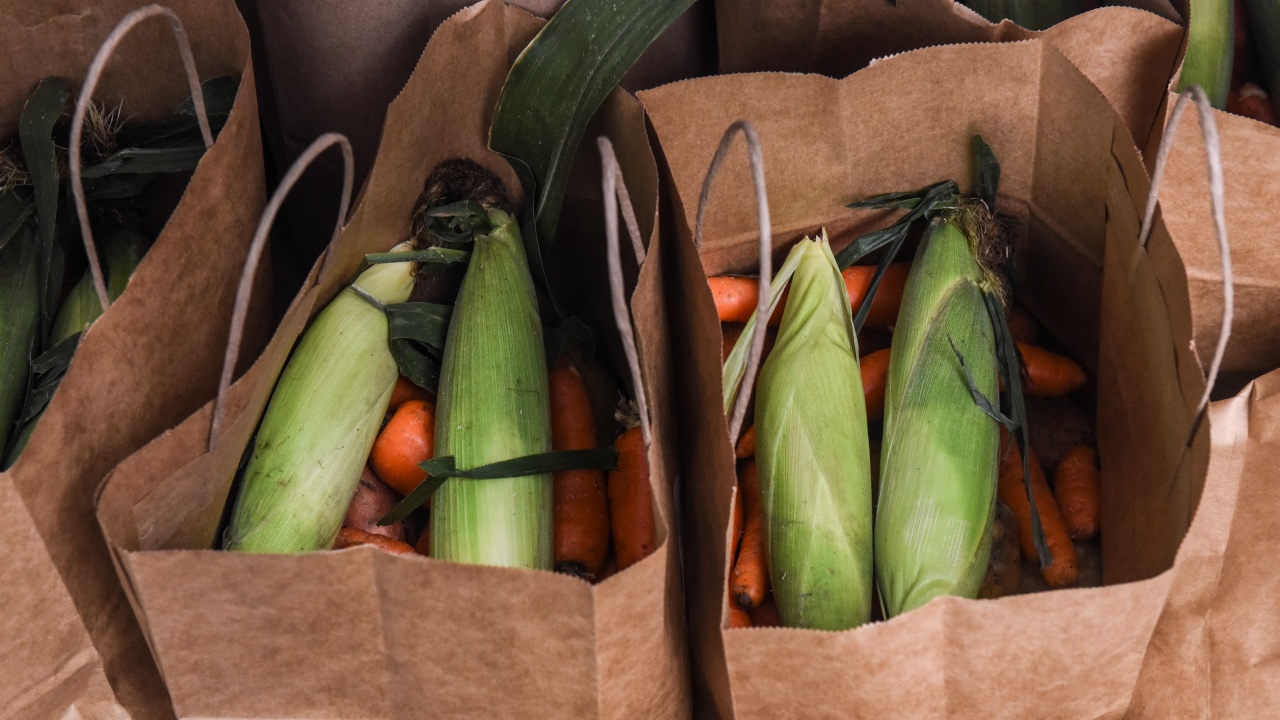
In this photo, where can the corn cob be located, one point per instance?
(1210, 49)
(321, 422)
(813, 455)
(492, 406)
(20, 293)
(123, 250)
(939, 455)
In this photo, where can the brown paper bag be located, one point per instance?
(1252, 173)
(146, 364)
(1129, 54)
(1075, 184)
(367, 52)
(358, 632)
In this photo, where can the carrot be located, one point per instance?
(1050, 374)
(875, 375)
(372, 501)
(766, 614)
(1254, 103)
(580, 509)
(405, 391)
(739, 519)
(1063, 570)
(1022, 326)
(631, 501)
(738, 616)
(350, 537)
(750, 578)
(746, 444)
(1076, 486)
(735, 296)
(888, 299)
(408, 439)
(423, 546)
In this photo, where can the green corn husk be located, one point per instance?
(1030, 14)
(939, 456)
(1210, 49)
(323, 416)
(20, 293)
(1264, 23)
(123, 250)
(813, 455)
(493, 405)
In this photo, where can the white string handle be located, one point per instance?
(1217, 193)
(258, 244)
(615, 186)
(96, 68)
(756, 155)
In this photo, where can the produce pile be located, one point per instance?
(132, 172)
(899, 387)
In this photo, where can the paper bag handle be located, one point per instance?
(258, 244)
(129, 22)
(1213, 152)
(756, 155)
(615, 186)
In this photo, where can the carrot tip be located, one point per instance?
(576, 569)
(744, 600)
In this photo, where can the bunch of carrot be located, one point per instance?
(1069, 512)
(590, 516)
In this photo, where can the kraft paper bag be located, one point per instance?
(1130, 53)
(361, 633)
(1075, 185)
(147, 363)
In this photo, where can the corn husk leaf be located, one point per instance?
(1210, 49)
(554, 89)
(813, 455)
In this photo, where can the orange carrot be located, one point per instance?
(766, 615)
(738, 615)
(580, 509)
(875, 375)
(631, 501)
(423, 546)
(1077, 488)
(350, 537)
(408, 439)
(1050, 374)
(884, 308)
(1254, 103)
(405, 391)
(1022, 326)
(750, 578)
(1063, 570)
(735, 297)
(747, 444)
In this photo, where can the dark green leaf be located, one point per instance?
(15, 208)
(438, 255)
(983, 403)
(442, 468)
(554, 89)
(183, 158)
(571, 334)
(219, 97)
(415, 364)
(1009, 362)
(48, 369)
(182, 127)
(35, 133)
(986, 181)
(940, 197)
(900, 200)
(427, 323)
(116, 187)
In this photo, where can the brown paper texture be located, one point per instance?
(1129, 54)
(359, 633)
(334, 66)
(146, 364)
(1074, 181)
(1251, 167)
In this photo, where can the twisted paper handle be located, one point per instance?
(256, 247)
(756, 155)
(99, 64)
(1213, 152)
